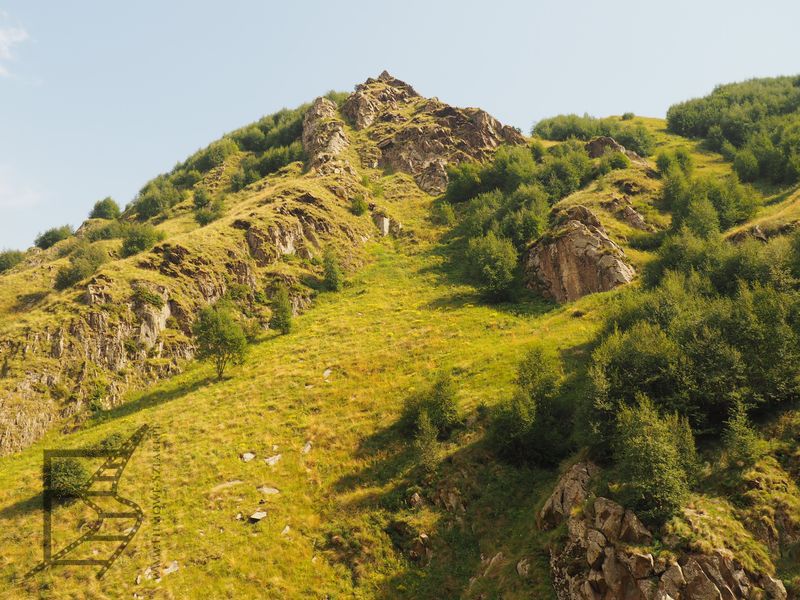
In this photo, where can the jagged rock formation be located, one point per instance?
(606, 556)
(577, 259)
(421, 136)
(324, 137)
(623, 210)
(602, 144)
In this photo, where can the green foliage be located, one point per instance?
(83, 262)
(201, 198)
(142, 295)
(332, 271)
(219, 338)
(627, 116)
(491, 263)
(442, 213)
(679, 158)
(611, 161)
(52, 236)
(212, 156)
(105, 209)
(741, 441)
(426, 444)
(648, 462)
(358, 205)
(138, 237)
(10, 259)
(439, 402)
(210, 213)
(533, 425)
(155, 198)
(66, 478)
(760, 118)
(563, 127)
(281, 319)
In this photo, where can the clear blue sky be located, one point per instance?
(98, 95)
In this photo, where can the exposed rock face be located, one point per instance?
(323, 137)
(422, 136)
(602, 144)
(599, 559)
(579, 259)
(623, 210)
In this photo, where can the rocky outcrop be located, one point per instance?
(577, 259)
(421, 136)
(602, 144)
(605, 555)
(324, 137)
(624, 211)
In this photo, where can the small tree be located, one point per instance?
(9, 259)
(220, 339)
(84, 261)
(66, 478)
(333, 272)
(740, 439)
(209, 213)
(201, 198)
(53, 236)
(654, 482)
(439, 402)
(105, 209)
(491, 262)
(281, 319)
(358, 205)
(425, 443)
(138, 237)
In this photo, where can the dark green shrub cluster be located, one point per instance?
(755, 123)
(332, 271)
(256, 166)
(358, 205)
(105, 209)
(52, 236)
(84, 260)
(491, 262)
(10, 259)
(66, 478)
(533, 425)
(210, 213)
(563, 127)
(282, 311)
(138, 237)
(438, 403)
(155, 198)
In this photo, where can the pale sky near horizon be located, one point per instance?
(99, 96)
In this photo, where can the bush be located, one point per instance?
(281, 319)
(155, 198)
(741, 441)
(654, 482)
(426, 446)
(333, 278)
(358, 205)
(209, 214)
(634, 137)
(84, 261)
(219, 338)
(105, 209)
(201, 198)
(138, 238)
(442, 213)
(491, 263)
(66, 478)
(746, 165)
(439, 402)
(532, 425)
(627, 116)
(52, 236)
(10, 259)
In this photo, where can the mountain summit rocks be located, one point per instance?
(421, 136)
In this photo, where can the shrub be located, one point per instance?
(105, 209)
(10, 259)
(627, 116)
(219, 338)
(281, 319)
(439, 402)
(426, 446)
(333, 278)
(66, 478)
(84, 261)
(635, 137)
(491, 263)
(201, 198)
(358, 205)
(746, 165)
(210, 213)
(52, 236)
(741, 441)
(442, 213)
(142, 295)
(139, 237)
(532, 425)
(155, 198)
(654, 482)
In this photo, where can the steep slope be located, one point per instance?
(64, 352)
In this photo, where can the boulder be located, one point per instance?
(578, 259)
(570, 491)
(608, 516)
(602, 144)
